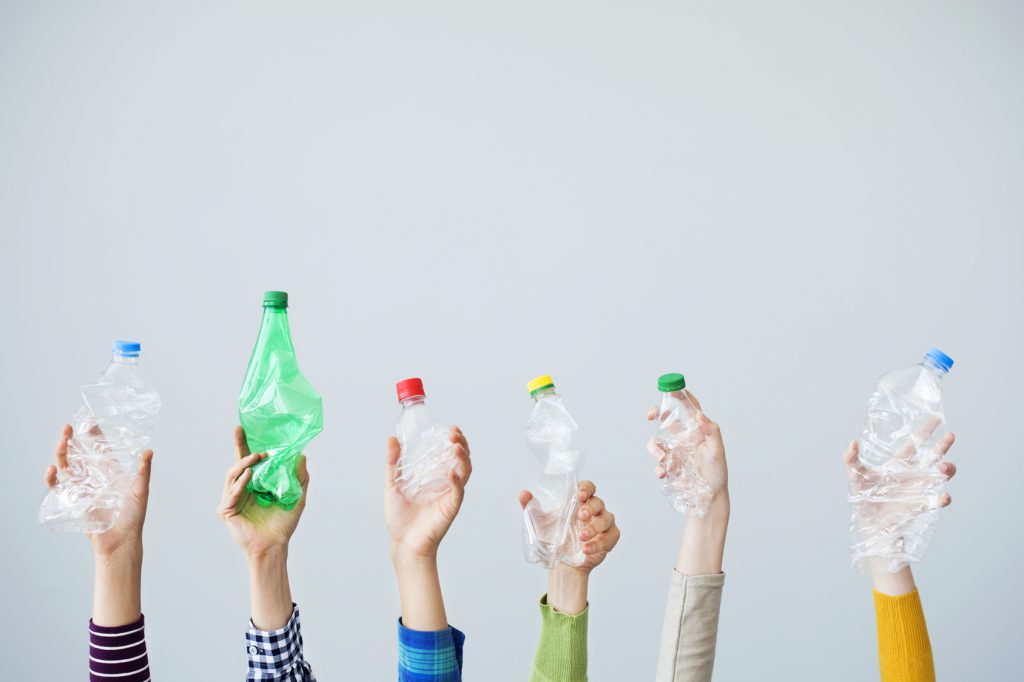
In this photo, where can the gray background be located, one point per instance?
(783, 200)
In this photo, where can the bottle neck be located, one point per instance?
(935, 367)
(549, 391)
(116, 359)
(412, 400)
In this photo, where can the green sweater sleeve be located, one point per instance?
(562, 652)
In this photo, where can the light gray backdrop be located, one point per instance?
(782, 200)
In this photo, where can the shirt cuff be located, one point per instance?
(119, 652)
(277, 654)
(434, 656)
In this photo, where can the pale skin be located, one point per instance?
(901, 582)
(703, 545)
(416, 531)
(568, 585)
(263, 534)
(117, 587)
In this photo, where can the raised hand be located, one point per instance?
(417, 529)
(710, 457)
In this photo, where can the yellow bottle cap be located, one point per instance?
(540, 383)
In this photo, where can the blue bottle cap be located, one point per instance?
(939, 358)
(127, 349)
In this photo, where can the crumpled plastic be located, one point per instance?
(676, 447)
(111, 430)
(427, 458)
(550, 524)
(896, 484)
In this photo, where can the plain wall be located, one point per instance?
(782, 200)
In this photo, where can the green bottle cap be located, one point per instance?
(671, 382)
(275, 299)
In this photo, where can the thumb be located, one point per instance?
(524, 498)
(145, 472)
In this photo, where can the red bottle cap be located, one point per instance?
(408, 388)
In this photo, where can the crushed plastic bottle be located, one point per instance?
(111, 431)
(427, 454)
(896, 486)
(550, 527)
(679, 437)
(278, 408)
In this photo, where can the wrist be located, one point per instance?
(125, 556)
(402, 555)
(567, 589)
(267, 556)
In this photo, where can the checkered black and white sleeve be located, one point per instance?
(277, 655)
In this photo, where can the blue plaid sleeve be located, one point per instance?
(429, 656)
(277, 655)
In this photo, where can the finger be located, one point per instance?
(948, 469)
(659, 472)
(458, 491)
(923, 434)
(652, 414)
(586, 489)
(240, 466)
(524, 498)
(458, 437)
(693, 399)
(241, 444)
(852, 458)
(145, 472)
(394, 451)
(945, 500)
(947, 443)
(463, 466)
(50, 477)
(656, 449)
(598, 525)
(591, 508)
(302, 473)
(62, 447)
(710, 428)
(229, 503)
(604, 542)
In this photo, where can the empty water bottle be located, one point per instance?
(111, 430)
(550, 527)
(896, 485)
(278, 408)
(427, 454)
(678, 440)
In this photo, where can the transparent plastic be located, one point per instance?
(550, 527)
(111, 430)
(427, 454)
(280, 411)
(896, 485)
(678, 438)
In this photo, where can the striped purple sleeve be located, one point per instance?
(118, 654)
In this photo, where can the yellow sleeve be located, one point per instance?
(904, 650)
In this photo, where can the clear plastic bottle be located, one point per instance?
(679, 436)
(896, 485)
(111, 430)
(550, 527)
(427, 454)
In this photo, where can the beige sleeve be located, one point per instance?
(690, 631)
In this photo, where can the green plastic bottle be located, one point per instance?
(279, 410)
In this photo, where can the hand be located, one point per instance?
(568, 585)
(710, 456)
(126, 535)
(416, 530)
(257, 530)
(889, 498)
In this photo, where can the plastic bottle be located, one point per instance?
(427, 454)
(679, 436)
(550, 527)
(111, 430)
(278, 408)
(896, 485)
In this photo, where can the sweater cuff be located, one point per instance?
(904, 649)
(118, 652)
(562, 654)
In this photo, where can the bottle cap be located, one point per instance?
(671, 382)
(409, 388)
(940, 358)
(275, 299)
(127, 349)
(540, 383)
